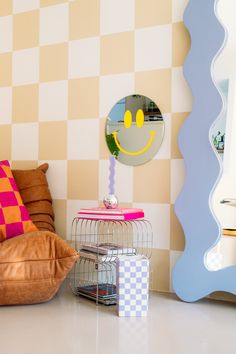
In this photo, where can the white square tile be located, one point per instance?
(73, 206)
(178, 8)
(153, 48)
(53, 101)
(84, 57)
(174, 256)
(5, 105)
(57, 178)
(116, 16)
(5, 34)
(177, 178)
(123, 181)
(25, 66)
(25, 141)
(54, 24)
(181, 94)
(83, 139)
(159, 217)
(165, 148)
(25, 5)
(112, 89)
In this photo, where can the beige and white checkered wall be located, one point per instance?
(63, 65)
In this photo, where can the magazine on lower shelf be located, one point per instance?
(110, 249)
(110, 301)
(96, 257)
(102, 290)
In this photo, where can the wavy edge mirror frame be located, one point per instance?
(191, 278)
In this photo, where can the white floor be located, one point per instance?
(69, 325)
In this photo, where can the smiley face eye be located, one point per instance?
(139, 118)
(128, 119)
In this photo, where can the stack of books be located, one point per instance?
(104, 252)
(101, 213)
(104, 293)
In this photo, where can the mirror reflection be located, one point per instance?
(223, 135)
(134, 130)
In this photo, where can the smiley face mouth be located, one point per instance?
(152, 135)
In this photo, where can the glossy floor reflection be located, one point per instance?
(72, 325)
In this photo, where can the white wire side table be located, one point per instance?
(100, 244)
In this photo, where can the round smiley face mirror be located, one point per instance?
(134, 130)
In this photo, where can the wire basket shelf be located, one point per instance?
(100, 243)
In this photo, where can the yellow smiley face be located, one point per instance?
(134, 130)
(139, 123)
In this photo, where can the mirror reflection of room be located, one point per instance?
(134, 130)
(223, 135)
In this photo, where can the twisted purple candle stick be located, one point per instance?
(112, 175)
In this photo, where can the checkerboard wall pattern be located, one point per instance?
(63, 65)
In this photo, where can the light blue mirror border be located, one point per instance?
(191, 278)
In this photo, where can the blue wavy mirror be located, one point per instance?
(208, 158)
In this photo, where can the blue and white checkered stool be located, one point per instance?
(132, 274)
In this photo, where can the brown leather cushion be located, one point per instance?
(33, 266)
(34, 191)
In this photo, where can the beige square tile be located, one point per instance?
(26, 30)
(25, 104)
(182, 97)
(83, 180)
(117, 53)
(57, 178)
(178, 176)
(111, 13)
(84, 20)
(152, 12)
(160, 265)
(5, 7)
(5, 142)
(83, 139)
(51, 2)
(103, 149)
(59, 207)
(5, 69)
(5, 105)
(152, 182)
(178, 8)
(24, 165)
(84, 98)
(54, 24)
(176, 123)
(180, 43)
(52, 141)
(177, 239)
(155, 84)
(6, 34)
(54, 62)
(25, 5)
(25, 143)
(25, 66)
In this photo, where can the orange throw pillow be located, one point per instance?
(14, 217)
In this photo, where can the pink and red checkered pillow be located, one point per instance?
(14, 217)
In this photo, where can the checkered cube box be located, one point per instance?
(132, 281)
